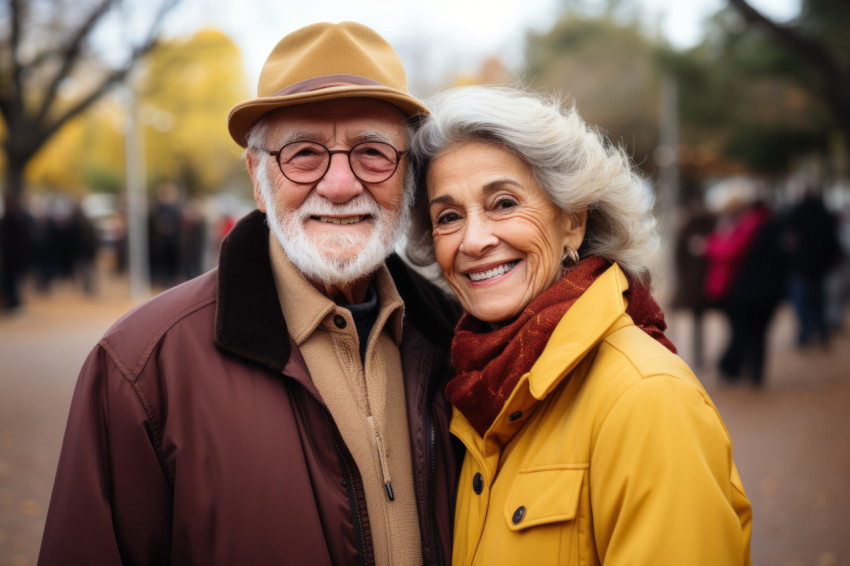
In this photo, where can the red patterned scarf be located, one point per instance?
(490, 362)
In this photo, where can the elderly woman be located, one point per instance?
(588, 440)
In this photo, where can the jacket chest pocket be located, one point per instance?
(544, 495)
(539, 519)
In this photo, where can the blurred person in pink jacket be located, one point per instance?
(746, 279)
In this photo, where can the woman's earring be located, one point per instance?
(570, 258)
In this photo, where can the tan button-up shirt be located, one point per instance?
(367, 404)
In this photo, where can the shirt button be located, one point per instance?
(477, 483)
(518, 515)
(515, 416)
(339, 321)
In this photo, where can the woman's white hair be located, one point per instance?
(574, 164)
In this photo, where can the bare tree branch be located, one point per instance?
(835, 76)
(112, 78)
(71, 56)
(153, 30)
(14, 95)
(41, 58)
(811, 50)
(84, 103)
(28, 130)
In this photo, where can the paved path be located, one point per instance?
(41, 351)
(792, 438)
(791, 444)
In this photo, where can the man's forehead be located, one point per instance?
(349, 117)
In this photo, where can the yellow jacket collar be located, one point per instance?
(589, 320)
(597, 313)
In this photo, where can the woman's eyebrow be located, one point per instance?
(494, 186)
(445, 199)
(488, 189)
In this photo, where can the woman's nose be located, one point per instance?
(339, 183)
(478, 236)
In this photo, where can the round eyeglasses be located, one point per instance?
(305, 162)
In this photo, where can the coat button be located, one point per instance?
(514, 416)
(477, 483)
(518, 515)
(339, 321)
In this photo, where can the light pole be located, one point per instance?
(137, 202)
(667, 160)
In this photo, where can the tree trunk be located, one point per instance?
(28, 128)
(14, 188)
(841, 104)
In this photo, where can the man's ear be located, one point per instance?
(253, 161)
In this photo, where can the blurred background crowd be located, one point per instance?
(745, 254)
(115, 158)
(117, 171)
(741, 249)
(56, 238)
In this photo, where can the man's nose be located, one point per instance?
(339, 183)
(478, 236)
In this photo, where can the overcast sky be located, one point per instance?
(434, 38)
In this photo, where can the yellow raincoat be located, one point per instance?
(609, 451)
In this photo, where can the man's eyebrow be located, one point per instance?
(358, 137)
(297, 135)
(375, 135)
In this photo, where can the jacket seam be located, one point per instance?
(625, 391)
(739, 490)
(356, 495)
(157, 336)
(642, 377)
(427, 391)
(131, 376)
(150, 414)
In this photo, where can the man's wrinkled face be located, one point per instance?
(338, 229)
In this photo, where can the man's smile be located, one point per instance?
(340, 220)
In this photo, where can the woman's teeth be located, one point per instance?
(491, 273)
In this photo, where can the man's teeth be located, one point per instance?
(346, 220)
(491, 273)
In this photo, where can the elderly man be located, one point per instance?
(287, 407)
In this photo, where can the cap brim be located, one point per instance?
(244, 115)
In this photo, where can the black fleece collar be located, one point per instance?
(249, 322)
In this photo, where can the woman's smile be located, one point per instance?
(490, 274)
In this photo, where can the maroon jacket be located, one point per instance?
(196, 435)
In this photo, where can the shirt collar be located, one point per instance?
(304, 314)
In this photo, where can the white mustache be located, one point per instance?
(361, 205)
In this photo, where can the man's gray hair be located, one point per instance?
(573, 163)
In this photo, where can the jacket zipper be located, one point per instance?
(432, 475)
(349, 475)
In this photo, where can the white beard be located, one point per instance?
(334, 259)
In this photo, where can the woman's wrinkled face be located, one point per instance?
(498, 238)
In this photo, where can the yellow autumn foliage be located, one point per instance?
(185, 88)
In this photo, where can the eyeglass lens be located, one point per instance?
(307, 162)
